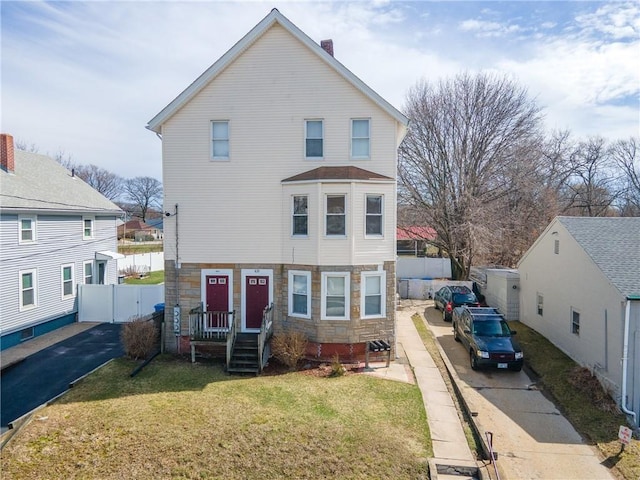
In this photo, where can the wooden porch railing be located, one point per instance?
(231, 340)
(266, 330)
(212, 326)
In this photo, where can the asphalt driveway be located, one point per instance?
(47, 373)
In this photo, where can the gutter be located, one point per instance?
(625, 357)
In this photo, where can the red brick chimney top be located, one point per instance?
(327, 46)
(7, 161)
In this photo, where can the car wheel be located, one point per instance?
(455, 333)
(473, 361)
(445, 317)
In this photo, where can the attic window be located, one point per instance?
(556, 247)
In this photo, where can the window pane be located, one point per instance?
(335, 204)
(27, 297)
(372, 285)
(300, 205)
(360, 147)
(314, 147)
(314, 129)
(335, 286)
(221, 148)
(335, 306)
(374, 204)
(360, 128)
(67, 288)
(300, 304)
(336, 225)
(373, 305)
(66, 273)
(26, 235)
(27, 280)
(220, 130)
(300, 284)
(300, 225)
(374, 225)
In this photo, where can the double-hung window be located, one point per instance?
(67, 280)
(220, 140)
(575, 322)
(300, 220)
(540, 304)
(374, 215)
(88, 272)
(360, 138)
(87, 228)
(373, 294)
(314, 135)
(336, 210)
(300, 294)
(27, 229)
(335, 295)
(28, 294)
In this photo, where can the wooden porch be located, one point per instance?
(245, 352)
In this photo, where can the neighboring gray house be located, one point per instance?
(55, 233)
(580, 288)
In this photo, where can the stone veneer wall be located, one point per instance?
(346, 338)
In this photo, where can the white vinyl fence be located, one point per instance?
(117, 303)
(142, 262)
(423, 267)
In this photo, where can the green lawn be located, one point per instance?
(177, 420)
(153, 278)
(133, 248)
(594, 418)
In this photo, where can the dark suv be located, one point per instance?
(452, 296)
(487, 337)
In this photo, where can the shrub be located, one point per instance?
(289, 348)
(337, 368)
(139, 337)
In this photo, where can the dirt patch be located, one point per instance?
(312, 369)
(582, 379)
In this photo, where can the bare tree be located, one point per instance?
(107, 183)
(626, 156)
(21, 144)
(591, 189)
(145, 193)
(457, 161)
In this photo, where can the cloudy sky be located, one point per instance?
(84, 78)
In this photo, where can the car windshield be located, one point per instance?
(461, 298)
(491, 328)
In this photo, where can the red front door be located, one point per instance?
(257, 298)
(217, 294)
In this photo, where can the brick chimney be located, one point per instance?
(327, 46)
(7, 161)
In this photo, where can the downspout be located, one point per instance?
(625, 360)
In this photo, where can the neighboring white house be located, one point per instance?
(279, 172)
(55, 232)
(580, 288)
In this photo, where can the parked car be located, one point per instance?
(452, 296)
(487, 337)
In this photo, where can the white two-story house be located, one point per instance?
(279, 174)
(55, 232)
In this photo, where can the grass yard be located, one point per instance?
(134, 248)
(591, 414)
(153, 278)
(177, 420)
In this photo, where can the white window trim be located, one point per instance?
(301, 273)
(73, 281)
(540, 304)
(84, 272)
(326, 214)
(347, 293)
(351, 138)
(211, 155)
(35, 289)
(575, 310)
(366, 214)
(307, 120)
(293, 216)
(93, 228)
(383, 293)
(33, 219)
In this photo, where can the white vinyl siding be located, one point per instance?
(87, 228)
(67, 281)
(299, 294)
(373, 294)
(27, 233)
(373, 217)
(336, 303)
(360, 138)
(336, 215)
(300, 219)
(28, 289)
(220, 140)
(314, 139)
(87, 270)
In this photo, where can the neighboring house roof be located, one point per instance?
(614, 246)
(415, 232)
(156, 223)
(613, 243)
(337, 174)
(39, 183)
(274, 17)
(136, 225)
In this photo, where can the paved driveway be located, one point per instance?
(532, 438)
(47, 373)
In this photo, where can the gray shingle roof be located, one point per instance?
(39, 183)
(614, 246)
(337, 173)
